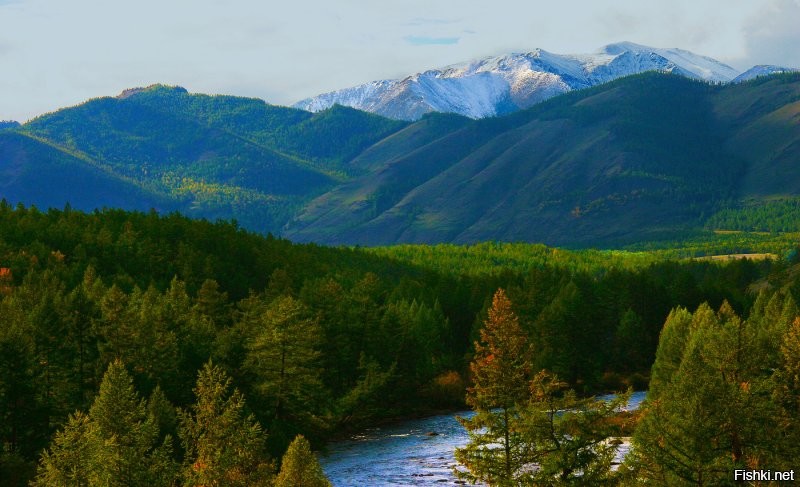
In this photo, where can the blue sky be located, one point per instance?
(55, 53)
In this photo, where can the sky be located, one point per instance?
(57, 53)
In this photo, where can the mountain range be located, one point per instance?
(503, 84)
(642, 157)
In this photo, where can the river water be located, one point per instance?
(413, 452)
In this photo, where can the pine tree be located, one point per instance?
(496, 452)
(300, 467)
(284, 356)
(224, 446)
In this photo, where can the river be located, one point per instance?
(406, 453)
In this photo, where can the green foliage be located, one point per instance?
(69, 459)
(283, 357)
(709, 410)
(530, 429)
(501, 257)
(300, 468)
(224, 445)
(566, 437)
(116, 444)
(774, 215)
(367, 336)
(787, 396)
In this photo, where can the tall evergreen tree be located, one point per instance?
(787, 396)
(496, 452)
(566, 437)
(69, 460)
(712, 413)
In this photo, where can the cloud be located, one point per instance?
(426, 21)
(431, 41)
(772, 35)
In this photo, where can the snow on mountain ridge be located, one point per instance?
(501, 84)
(763, 70)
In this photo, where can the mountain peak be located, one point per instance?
(8, 124)
(506, 83)
(763, 70)
(154, 88)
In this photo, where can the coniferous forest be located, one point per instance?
(139, 349)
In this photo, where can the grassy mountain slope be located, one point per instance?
(643, 157)
(136, 137)
(326, 138)
(763, 117)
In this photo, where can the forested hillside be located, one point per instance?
(87, 300)
(207, 156)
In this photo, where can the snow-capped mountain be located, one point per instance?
(503, 84)
(762, 70)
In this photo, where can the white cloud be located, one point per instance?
(59, 53)
(772, 36)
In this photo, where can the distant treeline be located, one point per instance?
(778, 215)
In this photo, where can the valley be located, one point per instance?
(208, 289)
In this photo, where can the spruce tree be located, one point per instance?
(300, 467)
